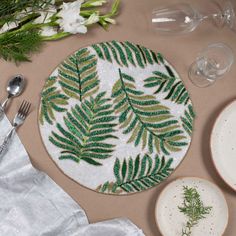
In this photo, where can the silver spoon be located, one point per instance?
(14, 88)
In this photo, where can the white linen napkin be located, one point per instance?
(32, 204)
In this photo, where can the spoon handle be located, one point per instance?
(3, 107)
(4, 104)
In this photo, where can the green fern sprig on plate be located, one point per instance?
(88, 130)
(138, 174)
(193, 208)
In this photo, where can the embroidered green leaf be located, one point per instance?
(126, 53)
(140, 175)
(147, 122)
(78, 75)
(168, 84)
(88, 129)
(51, 101)
(188, 119)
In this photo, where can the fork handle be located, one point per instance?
(6, 142)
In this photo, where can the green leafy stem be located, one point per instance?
(193, 208)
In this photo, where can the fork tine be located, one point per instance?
(24, 109)
(27, 108)
(21, 107)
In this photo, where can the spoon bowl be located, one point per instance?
(16, 86)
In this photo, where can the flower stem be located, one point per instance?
(54, 37)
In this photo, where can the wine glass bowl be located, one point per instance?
(211, 64)
(183, 18)
(178, 18)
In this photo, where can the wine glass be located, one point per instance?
(212, 63)
(183, 18)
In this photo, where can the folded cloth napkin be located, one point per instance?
(32, 204)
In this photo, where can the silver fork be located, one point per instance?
(17, 121)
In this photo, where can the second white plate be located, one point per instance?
(171, 221)
(223, 144)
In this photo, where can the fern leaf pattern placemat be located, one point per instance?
(116, 117)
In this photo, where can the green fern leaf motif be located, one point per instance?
(145, 119)
(52, 100)
(175, 90)
(137, 175)
(78, 75)
(188, 120)
(126, 53)
(89, 127)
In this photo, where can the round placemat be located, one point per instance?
(116, 117)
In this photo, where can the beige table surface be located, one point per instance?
(180, 51)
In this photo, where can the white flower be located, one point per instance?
(8, 26)
(71, 21)
(48, 31)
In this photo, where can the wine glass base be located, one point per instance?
(198, 78)
(225, 14)
(230, 15)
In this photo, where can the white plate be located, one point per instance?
(170, 220)
(223, 144)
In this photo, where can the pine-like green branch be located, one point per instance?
(193, 208)
(19, 46)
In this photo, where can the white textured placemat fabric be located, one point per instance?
(31, 204)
